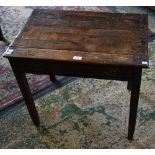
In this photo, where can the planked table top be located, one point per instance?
(83, 37)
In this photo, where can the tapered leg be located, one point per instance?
(135, 89)
(24, 87)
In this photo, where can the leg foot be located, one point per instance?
(55, 81)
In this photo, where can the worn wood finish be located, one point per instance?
(107, 38)
(87, 57)
(106, 46)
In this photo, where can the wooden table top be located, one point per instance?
(83, 37)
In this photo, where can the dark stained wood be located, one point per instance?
(71, 69)
(135, 89)
(129, 85)
(106, 46)
(24, 87)
(118, 38)
(67, 56)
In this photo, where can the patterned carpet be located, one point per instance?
(87, 113)
(12, 21)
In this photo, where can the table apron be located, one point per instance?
(72, 69)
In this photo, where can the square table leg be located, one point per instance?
(24, 87)
(135, 89)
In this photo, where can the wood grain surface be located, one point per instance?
(104, 38)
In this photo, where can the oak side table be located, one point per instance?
(110, 46)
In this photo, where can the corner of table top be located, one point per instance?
(8, 52)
